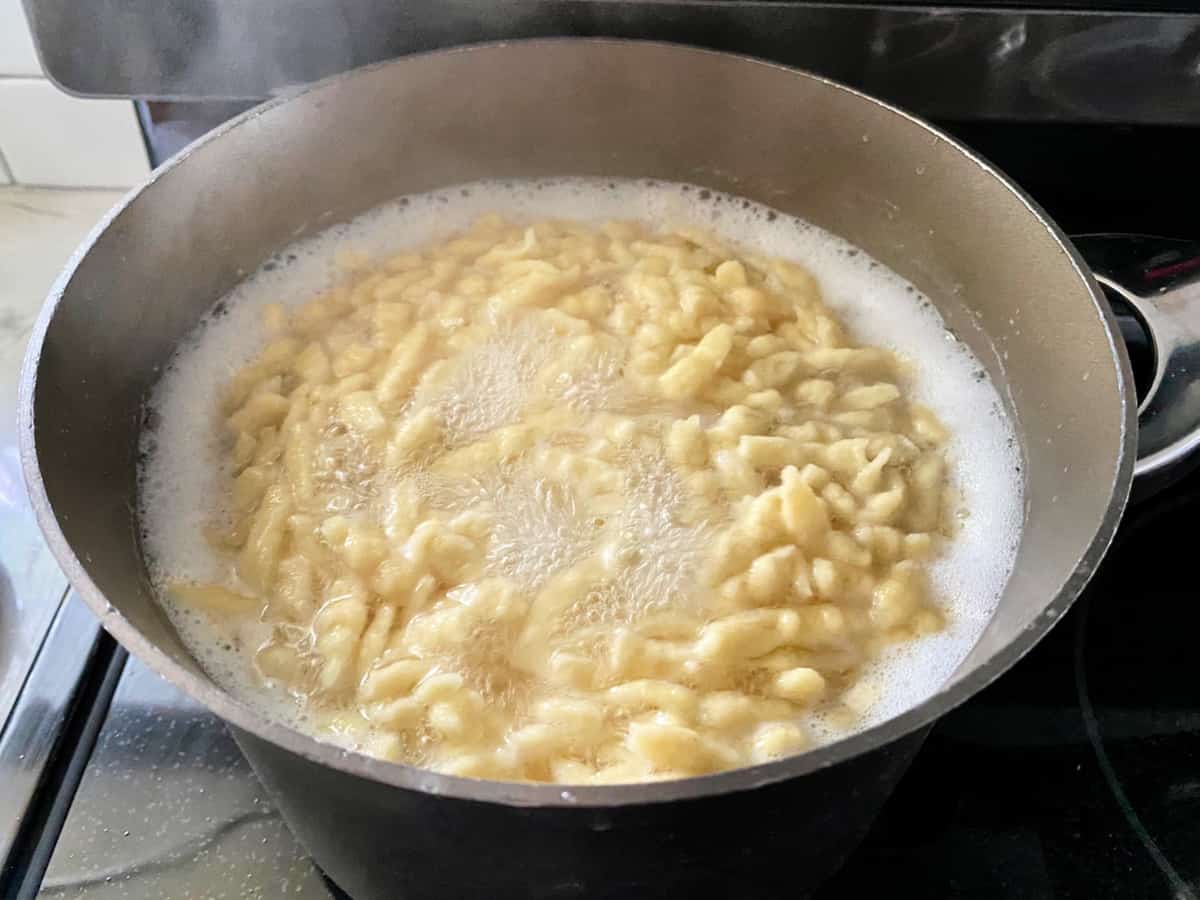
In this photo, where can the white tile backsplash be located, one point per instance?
(50, 138)
(17, 56)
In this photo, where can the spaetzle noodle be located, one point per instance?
(574, 502)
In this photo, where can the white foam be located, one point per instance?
(182, 473)
(488, 386)
(539, 529)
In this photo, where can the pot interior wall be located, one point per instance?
(915, 202)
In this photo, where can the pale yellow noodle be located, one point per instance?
(567, 503)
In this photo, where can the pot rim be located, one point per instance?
(523, 794)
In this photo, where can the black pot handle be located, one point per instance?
(1159, 280)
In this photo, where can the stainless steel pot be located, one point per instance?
(1004, 277)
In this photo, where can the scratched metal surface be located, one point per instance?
(170, 808)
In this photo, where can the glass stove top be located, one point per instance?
(1076, 775)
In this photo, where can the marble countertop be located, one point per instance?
(39, 228)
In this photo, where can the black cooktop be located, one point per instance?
(1077, 774)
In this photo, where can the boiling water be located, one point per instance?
(183, 474)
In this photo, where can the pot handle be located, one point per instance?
(1158, 279)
